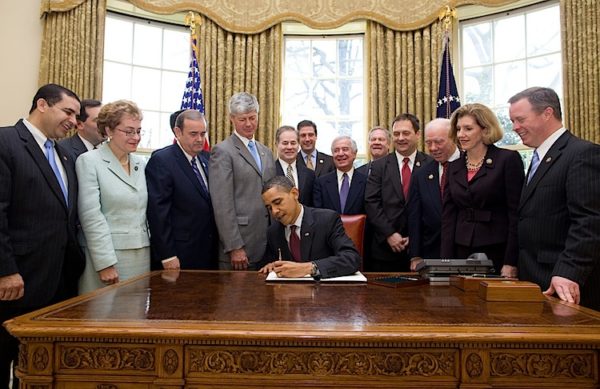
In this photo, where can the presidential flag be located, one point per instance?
(448, 100)
(192, 96)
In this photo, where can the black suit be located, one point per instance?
(323, 240)
(74, 145)
(425, 212)
(386, 208)
(180, 213)
(327, 193)
(323, 165)
(305, 184)
(365, 169)
(481, 215)
(559, 219)
(37, 228)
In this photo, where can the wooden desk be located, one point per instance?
(231, 329)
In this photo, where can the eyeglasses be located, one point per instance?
(131, 133)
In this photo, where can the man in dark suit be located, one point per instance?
(286, 164)
(425, 198)
(386, 196)
(87, 137)
(559, 211)
(40, 260)
(313, 241)
(379, 146)
(183, 233)
(315, 160)
(342, 190)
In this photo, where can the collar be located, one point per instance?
(284, 164)
(547, 144)
(455, 155)
(38, 135)
(88, 145)
(298, 222)
(313, 154)
(411, 158)
(244, 139)
(188, 156)
(340, 174)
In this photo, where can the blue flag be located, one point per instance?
(192, 96)
(448, 100)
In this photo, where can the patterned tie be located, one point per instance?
(198, 175)
(49, 145)
(309, 163)
(405, 177)
(443, 179)
(254, 152)
(290, 175)
(344, 189)
(535, 162)
(295, 244)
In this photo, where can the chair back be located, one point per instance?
(355, 229)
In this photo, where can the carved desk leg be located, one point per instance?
(170, 367)
(35, 365)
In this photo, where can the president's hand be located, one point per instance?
(239, 259)
(12, 287)
(566, 289)
(288, 269)
(397, 242)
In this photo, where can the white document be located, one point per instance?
(356, 277)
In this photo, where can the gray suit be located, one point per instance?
(235, 188)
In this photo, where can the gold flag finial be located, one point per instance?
(446, 16)
(192, 20)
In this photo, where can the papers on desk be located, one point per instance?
(356, 277)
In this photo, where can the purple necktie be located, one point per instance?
(344, 192)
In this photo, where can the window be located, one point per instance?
(504, 54)
(146, 62)
(323, 80)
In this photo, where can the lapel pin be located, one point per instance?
(489, 161)
(548, 159)
(320, 161)
(135, 168)
(430, 176)
(307, 234)
(418, 164)
(64, 158)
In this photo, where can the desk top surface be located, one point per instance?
(201, 303)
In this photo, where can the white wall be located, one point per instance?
(20, 43)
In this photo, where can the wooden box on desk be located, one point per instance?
(521, 291)
(471, 283)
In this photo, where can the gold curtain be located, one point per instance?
(73, 48)
(404, 72)
(231, 63)
(580, 21)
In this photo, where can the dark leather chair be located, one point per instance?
(355, 229)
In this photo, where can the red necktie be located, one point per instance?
(295, 245)
(405, 177)
(443, 180)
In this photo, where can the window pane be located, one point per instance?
(508, 78)
(350, 57)
(350, 98)
(543, 31)
(510, 137)
(116, 82)
(173, 85)
(118, 40)
(146, 88)
(323, 53)
(477, 48)
(478, 85)
(176, 50)
(150, 125)
(297, 95)
(509, 38)
(546, 71)
(324, 97)
(297, 59)
(147, 45)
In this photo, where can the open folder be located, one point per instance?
(356, 277)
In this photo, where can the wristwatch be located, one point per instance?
(315, 273)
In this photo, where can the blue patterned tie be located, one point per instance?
(198, 175)
(254, 152)
(535, 162)
(49, 145)
(345, 188)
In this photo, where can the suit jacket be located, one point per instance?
(180, 213)
(425, 212)
(559, 219)
(327, 194)
(306, 181)
(74, 145)
(112, 208)
(384, 200)
(235, 187)
(323, 240)
(37, 228)
(483, 211)
(365, 169)
(323, 166)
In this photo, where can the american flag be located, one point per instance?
(448, 100)
(192, 96)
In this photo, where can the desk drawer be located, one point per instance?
(101, 385)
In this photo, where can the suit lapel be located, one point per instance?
(458, 170)
(307, 232)
(394, 173)
(65, 157)
(432, 183)
(331, 186)
(40, 160)
(245, 153)
(358, 181)
(114, 166)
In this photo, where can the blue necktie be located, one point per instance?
(254, 152)
(535, 162)
(345, 188)
(198, 175)
(49, 145)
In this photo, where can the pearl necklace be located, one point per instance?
(473, 167)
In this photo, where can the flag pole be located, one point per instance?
(448, 99)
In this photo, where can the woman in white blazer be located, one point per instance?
(112, 201)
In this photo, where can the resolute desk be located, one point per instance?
(233, 330)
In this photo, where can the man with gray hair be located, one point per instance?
(342, 190)
(380, 140)
(241, 166)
